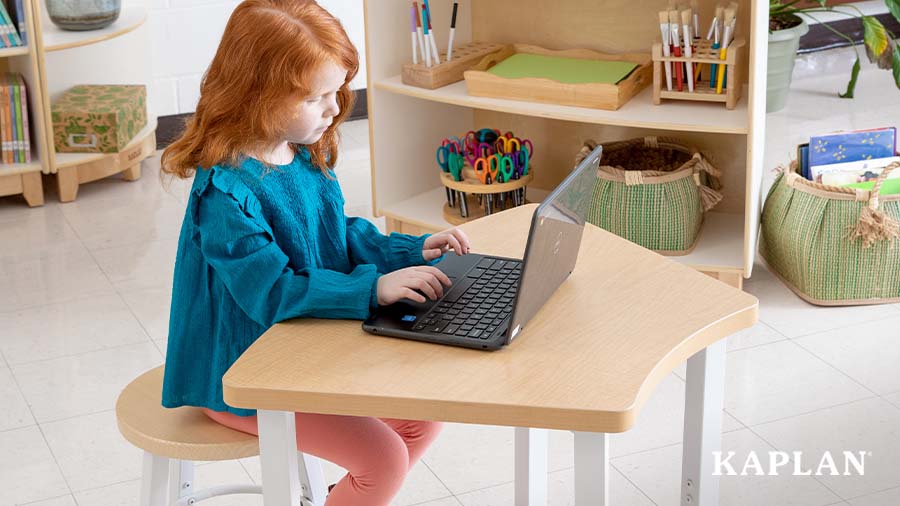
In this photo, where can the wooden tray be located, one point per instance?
(482, 83)
(444, 73)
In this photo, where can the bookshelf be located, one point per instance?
(407, 123)
(25, 178)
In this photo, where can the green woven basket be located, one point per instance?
(653, 192)
(833, 246)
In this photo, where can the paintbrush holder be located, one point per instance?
(447, 72)
(703, 57)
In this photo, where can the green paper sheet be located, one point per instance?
(563, 70)
(890, 187)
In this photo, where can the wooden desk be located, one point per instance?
(587, 362)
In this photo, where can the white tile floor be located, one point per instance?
(84, 308)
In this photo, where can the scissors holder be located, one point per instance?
(480, 199)
(447, 72)
(703, 60)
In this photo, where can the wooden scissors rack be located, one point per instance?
(479, 196)
(705, 55)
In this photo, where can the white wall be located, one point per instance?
(186, 33)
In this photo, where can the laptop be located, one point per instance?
(492, 299)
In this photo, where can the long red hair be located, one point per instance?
(261, 69)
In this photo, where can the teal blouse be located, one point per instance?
(259, 246)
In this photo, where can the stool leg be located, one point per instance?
(312, 479)
(181, 479)
(154, 480)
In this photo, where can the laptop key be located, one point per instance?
(437, 329)
(475, 334)
(458, 289)
(451, 329)
(475, 273)
(485, 263)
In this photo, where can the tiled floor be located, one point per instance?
(84, 309)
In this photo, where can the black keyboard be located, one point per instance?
(477, 305)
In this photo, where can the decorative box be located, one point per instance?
(98, 118)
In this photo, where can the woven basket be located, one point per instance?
(653, 192)
(833, 246)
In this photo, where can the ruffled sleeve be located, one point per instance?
(238, 244)
(367, 245)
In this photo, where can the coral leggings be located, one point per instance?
(376, 452)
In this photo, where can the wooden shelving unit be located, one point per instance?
(407, 123)
(73, 169)
(25, 178)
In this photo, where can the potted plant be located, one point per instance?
(786, 26)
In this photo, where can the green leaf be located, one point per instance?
(875, 36)
(897, 65)
(894, 7)
(851, 86)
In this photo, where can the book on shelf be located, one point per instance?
(9, 33)
(16, 10)
(15, 139)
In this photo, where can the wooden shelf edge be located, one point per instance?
(20, 168)
(7, 52)
(104, 36)
(564, 113)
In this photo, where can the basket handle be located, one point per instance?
(873, 225)
(709, 194)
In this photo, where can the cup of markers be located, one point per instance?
(495, 167)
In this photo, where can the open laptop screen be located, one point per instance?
(553, 241)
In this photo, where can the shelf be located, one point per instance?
(720, 247)
(56, 39)
(21, 168)
(13, 51)
(639, 112)
(74, 159)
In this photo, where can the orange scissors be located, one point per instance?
(487, 168)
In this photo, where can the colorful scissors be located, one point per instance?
(506, 145)
(506, 168)
(521, 159)
(487, 168)
(450, 161)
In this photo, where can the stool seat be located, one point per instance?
(184, 433)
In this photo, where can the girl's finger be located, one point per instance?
(433, 283)
(423, 285)
(413, 295)
(454, 243)
(437, 273)
(463, 239)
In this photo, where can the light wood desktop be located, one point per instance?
(587, 362)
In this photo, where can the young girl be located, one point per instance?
(265, 237)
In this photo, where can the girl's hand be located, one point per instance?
(440, 243)
(401, 284)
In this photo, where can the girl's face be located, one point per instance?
(314, 114)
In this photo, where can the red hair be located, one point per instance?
(261, 68)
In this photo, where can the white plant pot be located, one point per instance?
(783, 46)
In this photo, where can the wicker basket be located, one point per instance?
(833, 246)
(653, 192)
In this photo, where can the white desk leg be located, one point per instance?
(532, 454)
(591, 469)
(704, 400)
(278, 458)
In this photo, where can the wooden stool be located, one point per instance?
(172, 439)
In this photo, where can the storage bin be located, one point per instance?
(98, 118)
(653, 192)
(833, 246)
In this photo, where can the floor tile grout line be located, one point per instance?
(432, 500)
(842, 327)
(48, 499)
(872, 493)
(435, 474)
(67, 300)
(816, 478)
(99, 350)
(118, 292)
(829, 364)
(633, 484)
(92, 413)
(812, 411)
(43, 435)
